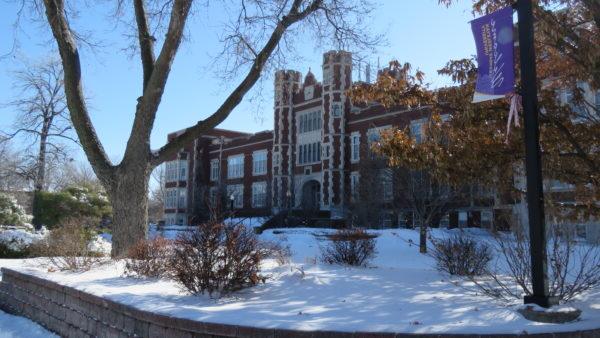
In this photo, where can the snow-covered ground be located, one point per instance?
(20, 327)
(401, 291)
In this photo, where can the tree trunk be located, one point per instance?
(423, 238)
(129, 200)
(40, 175)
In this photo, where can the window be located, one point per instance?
(309, 153)
(170, 171)
(213, 195)
(486, 218)
(387, 192)
(327, 76)
(598, 102)
(176, 170)
(354, 181)
(235, 166)
(462, 219)
(310, 122)
(355, 147)
(182, 198)
(183, 170)
(416, 130)
(237, 191)
(214, 170)
(259, 162)
(259, 194)
(337, 110)
(175, 198)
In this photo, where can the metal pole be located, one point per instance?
(533, 167)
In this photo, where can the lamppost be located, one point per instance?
(231, 200)
(533, 163)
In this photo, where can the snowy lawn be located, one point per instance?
(400, 292)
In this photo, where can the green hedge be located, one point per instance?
(52, 208)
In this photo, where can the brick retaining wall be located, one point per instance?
(73, 313)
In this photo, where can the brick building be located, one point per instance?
(310, 159)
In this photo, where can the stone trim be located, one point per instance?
(73, 313)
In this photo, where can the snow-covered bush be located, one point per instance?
(573, 266)
(349, 247)
(54, 208)
(461, 255)
(217, 258)
(149, 258)
(11, 213)
(16, 243)
(68, 247)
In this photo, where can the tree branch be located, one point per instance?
(294, 15)
(146, 40)
(55, 13)
(149, 102)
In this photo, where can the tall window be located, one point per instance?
(327, 76)
(354, 181)
(237, 191)
(214, 170)
(309, 122)
(182, 198)
(235, 166)
(170, 198)
(259, 194)
(309, 153)
(355, 147)
(598, 102)
(387, 192)
(259, 162)
(183, 170)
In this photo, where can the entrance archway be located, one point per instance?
(311, 196)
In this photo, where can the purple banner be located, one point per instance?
(494, 40)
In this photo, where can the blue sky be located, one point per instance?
(420, 32)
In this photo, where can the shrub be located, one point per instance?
(217, 258)
(349, 247)
(54, 208)
(573, 267)
(278, 251)
(149, 258)
(461, 255)
(67, 247)
(11, 213)
(16, 243)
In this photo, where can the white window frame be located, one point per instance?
(215, 170)
(259, 194)
(235, 166)
(237, 190)
(259, 162)
(355, 147)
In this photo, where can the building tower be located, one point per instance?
(287, 83)
(337, 79)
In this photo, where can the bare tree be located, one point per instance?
(156, 202)
(43, 117)
(428, 199)
(13, 169)
(250, 43)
